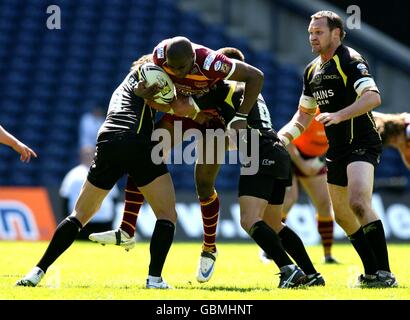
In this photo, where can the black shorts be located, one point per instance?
(273, 176)
(337, 168)
(121, 153)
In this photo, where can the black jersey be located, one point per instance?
(335, 85)
(128, 112)
(227, 96)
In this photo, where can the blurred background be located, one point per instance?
(52, 80)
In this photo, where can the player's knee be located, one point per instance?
(358, 207)
(247, 221)
(166, 214)
(341, 221)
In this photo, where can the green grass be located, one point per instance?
(91, 271)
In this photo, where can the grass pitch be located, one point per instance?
(91, 271)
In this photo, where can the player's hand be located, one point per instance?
(239, 124)
(182, 107)
(147, 93)
(328, 119)
(24, 151)
(310, 167)
(202, 117)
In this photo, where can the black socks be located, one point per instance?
(269, 241)
(364, 250)
(295, 248)
(161, 241)
(63, 237)
(374, 233)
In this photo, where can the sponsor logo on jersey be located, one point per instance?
(317, 79)
(267, 162)
(225, 68)
(208, 61)
(330, 76)
(132, 81)
(160, 53)
(217, 65)
(323, 94)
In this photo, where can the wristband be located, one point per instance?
(238, 117)
(291, 131)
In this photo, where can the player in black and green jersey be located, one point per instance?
(338, 81)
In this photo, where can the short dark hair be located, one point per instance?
(232, 53)
(333, 21)
(144, 59)
(390, 126)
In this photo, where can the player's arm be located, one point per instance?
(366, 89)
(295, 127)
(182, 107)
(368, 100)
(302, 118)
(253, 78)
(308, 166)
(24, 151)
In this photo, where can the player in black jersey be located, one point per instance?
(123, 146)
(338, 81)
(262, 194)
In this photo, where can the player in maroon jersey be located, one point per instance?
(194, 69)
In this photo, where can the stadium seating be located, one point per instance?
(50, 77)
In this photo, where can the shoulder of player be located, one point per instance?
(349, 56)
(158, 53)
(310, 66)
(205, 58)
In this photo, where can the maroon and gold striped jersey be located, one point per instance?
(208, 68)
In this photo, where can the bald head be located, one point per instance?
(179, 48)
(180, 56)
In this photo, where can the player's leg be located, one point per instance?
(206, 172)
(205, 176)
(124, 236)
(291, 242)
(252, 209)
(360, 187)
(316, 188)
(291, 197)
(160, 195)
(345, 217)
(87, 205)
(254, 192)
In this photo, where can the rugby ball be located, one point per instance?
(151, 73)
